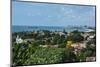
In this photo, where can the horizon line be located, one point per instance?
(57, 25)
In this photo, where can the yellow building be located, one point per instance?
(69, 44)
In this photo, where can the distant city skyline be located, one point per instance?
(43, 14)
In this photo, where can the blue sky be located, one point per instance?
(42, 14)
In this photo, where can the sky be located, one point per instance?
(43, 14)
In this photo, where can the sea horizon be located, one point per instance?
(69, 28)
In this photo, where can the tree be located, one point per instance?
(91, 48)
(75, 32)
(77, 38)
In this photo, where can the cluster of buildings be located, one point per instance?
(77, 46)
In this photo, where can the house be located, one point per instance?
(61, 33)
(79, 45)
(28, 40)
(90, 37)
(89, 59)
(19, 40)
(51, 46)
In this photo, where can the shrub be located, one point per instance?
(37, 55)
(50, 56)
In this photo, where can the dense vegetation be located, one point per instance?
(30, 52)
(37, 55)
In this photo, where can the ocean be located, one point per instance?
(49, 28)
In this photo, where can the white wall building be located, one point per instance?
(19, 40)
